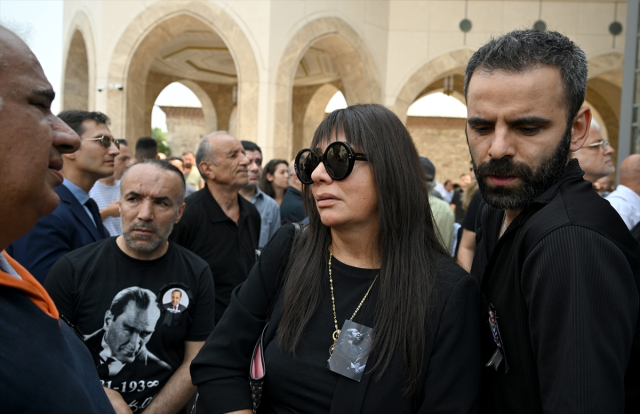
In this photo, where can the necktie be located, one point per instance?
(95, 212)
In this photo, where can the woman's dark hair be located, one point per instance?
(265, 185)
(408, 246)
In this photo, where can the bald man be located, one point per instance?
(45, 366)
(218, 224)
(626, 198)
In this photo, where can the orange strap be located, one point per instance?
(29, 286)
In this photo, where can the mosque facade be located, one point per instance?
(265, 69)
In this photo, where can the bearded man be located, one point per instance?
(559, 269)
(114, 291)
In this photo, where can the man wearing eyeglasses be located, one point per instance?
(595, 155)
(76, 222)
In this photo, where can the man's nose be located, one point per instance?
(145, 212)
(65, 139)
(502, 143)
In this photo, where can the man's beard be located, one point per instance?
(534, 183)
(161, 236)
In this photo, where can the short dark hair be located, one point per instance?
(250, 146)
(122, 141)
(522, 50)
(146, 148)
(162, 165)
(74, 118)
(142, 298)
(177, 290)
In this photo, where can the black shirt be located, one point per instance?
(143, 342)
(457, 201)
(228, 248)
(469, 221)
(451, 371)
(292, 207)
(284, 392)
(564, 279)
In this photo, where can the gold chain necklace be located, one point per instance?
(336, 333)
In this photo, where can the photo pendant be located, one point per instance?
(350, 355)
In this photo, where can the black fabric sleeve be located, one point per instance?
(61, 286)
(221, 369)
(204, 310)
(582, 317)
(469, 221)
(454, 374)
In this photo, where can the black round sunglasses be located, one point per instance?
(338, 160)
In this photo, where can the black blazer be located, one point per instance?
(67, 228)
(452, 365)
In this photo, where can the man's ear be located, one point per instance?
(580, 128)
(71, 157)
(207, 171)
(180, 211)
(108, 318)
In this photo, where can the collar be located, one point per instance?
(294, 191)
(258, 195)
(625, 192)
(115, 365)
(77, 192)
(572, 172)
(215, 212)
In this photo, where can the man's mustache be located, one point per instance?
(504, 168)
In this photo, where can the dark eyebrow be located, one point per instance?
(478, 121)
(48, 94)
(133, 193)
(530, 120)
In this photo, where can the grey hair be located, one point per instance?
(161, 165)
(522, 50)
(205, 151)
(595, 125)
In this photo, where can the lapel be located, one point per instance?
(78, 211)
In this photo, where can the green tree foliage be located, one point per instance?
(161, 138)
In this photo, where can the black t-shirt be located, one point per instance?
(457, 201)
(469, 221)
(228, 248)
(136, 313)
(304, 384)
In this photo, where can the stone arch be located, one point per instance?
(604, 92)
(448, 64)
(315, 113)
(78, 88)
(352, 59)
(145, 36)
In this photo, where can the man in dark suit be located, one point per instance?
(76, 222)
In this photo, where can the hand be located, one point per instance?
(112, 210)
(247, 411)
(117, 402)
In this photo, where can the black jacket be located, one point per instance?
(452, 365)
(564, 280)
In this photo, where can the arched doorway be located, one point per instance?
(316, 112)
(325, 51)
(78, 88)
(192, 42)
(188, 115)
(430, 77)
(436, 123)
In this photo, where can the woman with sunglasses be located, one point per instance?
(367, 313)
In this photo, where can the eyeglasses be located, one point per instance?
(602, 142)
(105, 141)
(338, 160)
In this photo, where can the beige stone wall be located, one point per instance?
(442, 140)
(185, 128)
(386, 51)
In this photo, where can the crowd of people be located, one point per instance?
(348, 279)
